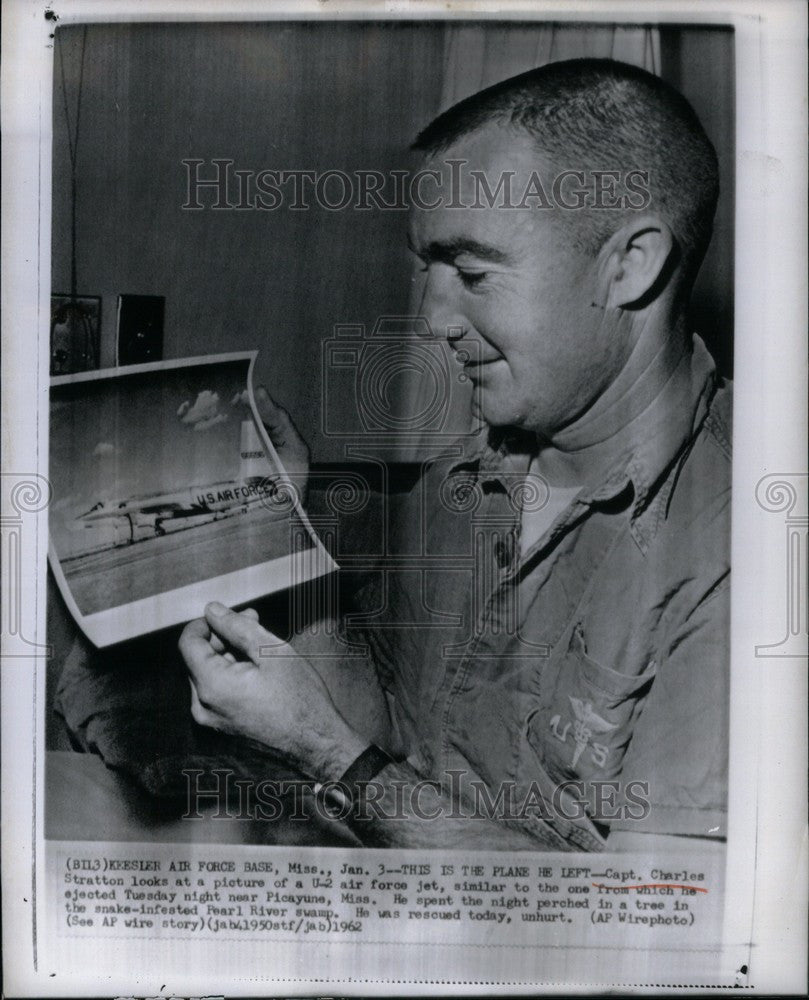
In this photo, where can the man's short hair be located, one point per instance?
(599, 114)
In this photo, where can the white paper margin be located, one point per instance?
(769, 696)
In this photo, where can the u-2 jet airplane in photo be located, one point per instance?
(149, 515)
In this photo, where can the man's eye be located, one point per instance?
(471, 278)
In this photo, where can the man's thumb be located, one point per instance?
(273, 415)
(239, 631)
(281, 428)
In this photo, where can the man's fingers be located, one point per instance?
(240, 631)
(219, 646)
(197, 627)
(280, 426)
(216, 643)
(275, 417)
(198, 713)
(197, 649)
(196, 634)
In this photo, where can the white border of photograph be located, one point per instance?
(767, 844)
(181, 604)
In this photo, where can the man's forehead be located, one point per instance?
(493, 150)
(448, 243)
(469, 207)
(488, 232)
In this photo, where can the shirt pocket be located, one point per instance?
(586, 720)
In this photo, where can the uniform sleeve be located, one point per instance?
(364, 625)
(382, 600)
(679, 748)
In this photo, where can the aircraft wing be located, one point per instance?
(99, 512)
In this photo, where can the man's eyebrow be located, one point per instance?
(445, 251)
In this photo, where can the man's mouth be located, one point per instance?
(475, 367)
(471, 361)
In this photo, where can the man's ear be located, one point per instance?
(635, 262)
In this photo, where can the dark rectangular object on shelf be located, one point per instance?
(140, 328)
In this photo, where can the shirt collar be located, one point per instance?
(652, 440)
(494, 452)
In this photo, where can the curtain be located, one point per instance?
(477, 56)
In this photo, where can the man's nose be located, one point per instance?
(440, 307)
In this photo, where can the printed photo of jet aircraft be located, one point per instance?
(167, 494)
(151, 514)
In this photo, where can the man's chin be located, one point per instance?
(507, 421)
(489, 412)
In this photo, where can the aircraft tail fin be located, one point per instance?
(253, 461)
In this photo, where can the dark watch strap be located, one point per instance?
(345, 794)
(369, 763)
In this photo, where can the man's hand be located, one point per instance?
(247, 682)
(286, 439)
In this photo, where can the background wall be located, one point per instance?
(313, 95)
(700, 64)
(285, 96)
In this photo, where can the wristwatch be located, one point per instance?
(346, 791)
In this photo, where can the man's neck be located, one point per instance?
(584, 452)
